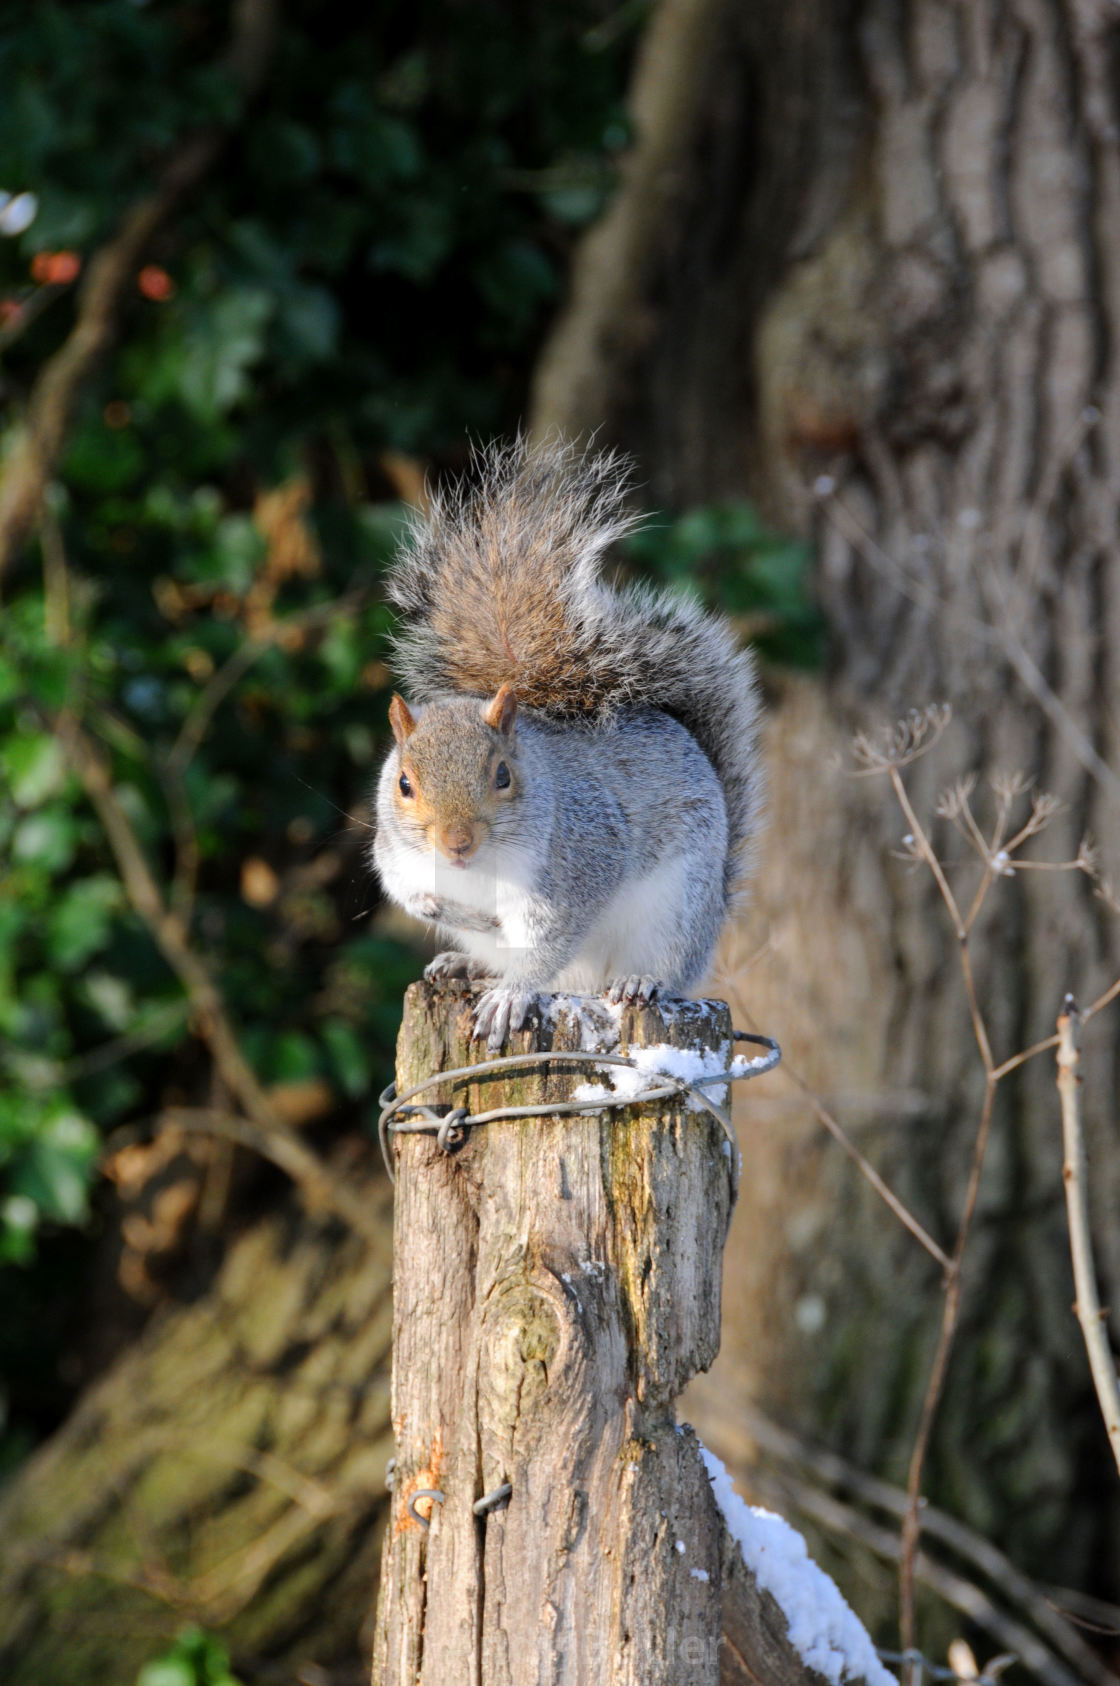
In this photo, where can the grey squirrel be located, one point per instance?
(575, 782)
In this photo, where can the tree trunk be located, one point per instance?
(229, 1470)
(894, 262)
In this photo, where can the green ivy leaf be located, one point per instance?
(221, 348)
(81, 921)
(46, 838)
(349, 1056)
(35, 766)
(55, 1168)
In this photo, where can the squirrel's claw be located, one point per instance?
(452, 964)
(635, 988)
(499, 1011)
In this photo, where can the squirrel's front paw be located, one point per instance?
(636, 988)
(451, 964)
(499, 1011)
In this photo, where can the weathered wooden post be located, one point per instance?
(557, 1283)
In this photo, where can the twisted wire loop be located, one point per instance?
(452, 1128)
(488, 1501)
(491, 1501)
(432, 1493)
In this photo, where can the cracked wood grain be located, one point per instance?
(557, 1282)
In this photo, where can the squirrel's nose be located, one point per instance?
(456, 840)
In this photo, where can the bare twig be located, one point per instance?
(955, 1589)
(207, 1007)
(901, 1211)
(950, 1316)
(283, 1148)
(923, 844)
(970, 1546)
(995, 852)
(1075, 1176)
(222, 682)
(41, 439)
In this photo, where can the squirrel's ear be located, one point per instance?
(400, 719)
(502, 711)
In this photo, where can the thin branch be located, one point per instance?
(839, 1134)
(283, 1148)
(928, 855)
(223, 680)
(979, 1028)
(955, 1589)
(1016, 1060)
(208, 1009)
(1103, 1000)
(39, 445)
(971, 1546)
(950, 1315)
(1075, 1176)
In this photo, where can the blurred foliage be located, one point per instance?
(359, 287)
(725, 554)
(195, 1658)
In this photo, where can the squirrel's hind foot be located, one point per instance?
(500, 1010)
(636, 988)
(452, 964)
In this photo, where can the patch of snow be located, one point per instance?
(699, 1574)
(823, 1629)
(660, 1059)
(743, 1064)
(680, 1546)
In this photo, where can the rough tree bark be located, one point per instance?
(894, 261)
(229, 1470)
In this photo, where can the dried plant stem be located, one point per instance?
(928, 855)
(956, 1589)
(1103, 1000)
(1087, 1306)
(950, 1314)
(283, 1148)
(836, 1130)
(972, 1547)
(950, 1311)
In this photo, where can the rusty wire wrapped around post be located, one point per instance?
(452, 1127)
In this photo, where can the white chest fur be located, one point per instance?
(492, 891)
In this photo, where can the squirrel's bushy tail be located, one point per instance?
(499, 582)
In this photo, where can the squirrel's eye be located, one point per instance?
(404, 785)
(501, 776)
